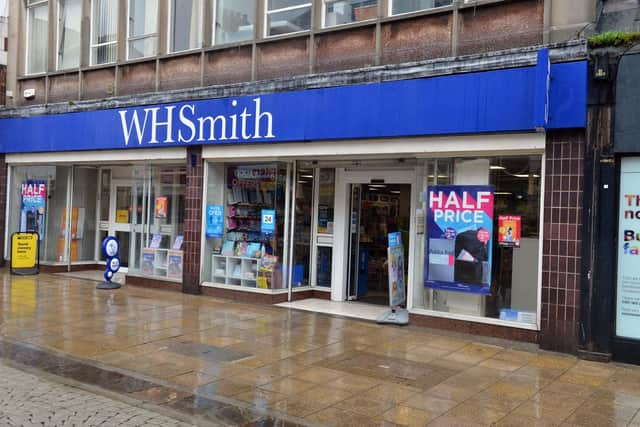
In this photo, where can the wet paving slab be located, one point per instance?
(197, 407)
(227, 363)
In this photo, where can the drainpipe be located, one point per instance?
(599, 219)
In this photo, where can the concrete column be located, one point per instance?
(193, 221)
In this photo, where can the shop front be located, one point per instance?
(289, 195)
(73, 204)
(341, 212)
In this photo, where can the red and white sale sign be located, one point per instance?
(509, 230)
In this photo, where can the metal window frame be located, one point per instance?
(130, 38)
(93, 45)
(30, 6)
(171, 24)
(268, 12)
(58, 27)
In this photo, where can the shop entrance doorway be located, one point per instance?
(376, 209)
(120, 212)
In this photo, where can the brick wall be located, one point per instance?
(561, 260)
(193, 221)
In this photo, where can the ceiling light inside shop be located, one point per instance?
(524, 175)
(377, 186)
(395, 191)
(497, 168)
(306, 176)
(503, 193)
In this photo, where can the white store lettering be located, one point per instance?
(189, 126)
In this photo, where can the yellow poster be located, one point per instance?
(24, 250)
(122, 216)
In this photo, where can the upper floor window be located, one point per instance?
(234, 21)
(287, 16)
(104, 31)
(185, 30)
(37, 28)
(69, 20)
(405, 6)
(337, 12)
(142, 40)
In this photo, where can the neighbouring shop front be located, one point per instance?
(301, 189)
(625, 331)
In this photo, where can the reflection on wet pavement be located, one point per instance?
(239, 364)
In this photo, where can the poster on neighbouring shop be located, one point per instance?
(459, 243)
(33, 207)
(509, 230)
(628, 278)
(215, 221)
(395, 254)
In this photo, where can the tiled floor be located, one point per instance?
(95, 275)
(314, 367)
(356, 310)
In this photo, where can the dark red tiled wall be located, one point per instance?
(193, 221)
(562, 239)
(3, 84)
(3, 204)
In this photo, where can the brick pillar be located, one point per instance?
(3, 205)
(193, 221)
(561, 257)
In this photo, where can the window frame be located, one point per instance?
(267, 12)
(97, 45)
(325, 4)
(214, 17)
(130, 39)
(58, 27)
(32, 4)
(171, 23)
(391, 14)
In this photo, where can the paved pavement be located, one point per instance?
(242, 364)
(30, 400)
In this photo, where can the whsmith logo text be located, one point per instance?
(170, 124)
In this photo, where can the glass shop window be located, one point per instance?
(244, 225)
(481, 246)
(326, 200)
(38, 203)
(156, 236)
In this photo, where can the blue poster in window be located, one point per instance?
(395, 257)
(215, 221)
(460, 234)
(268, 221)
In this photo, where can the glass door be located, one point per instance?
(376, 210)
(121, 218)
(355, 264)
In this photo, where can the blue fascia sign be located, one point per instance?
(510, 100)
